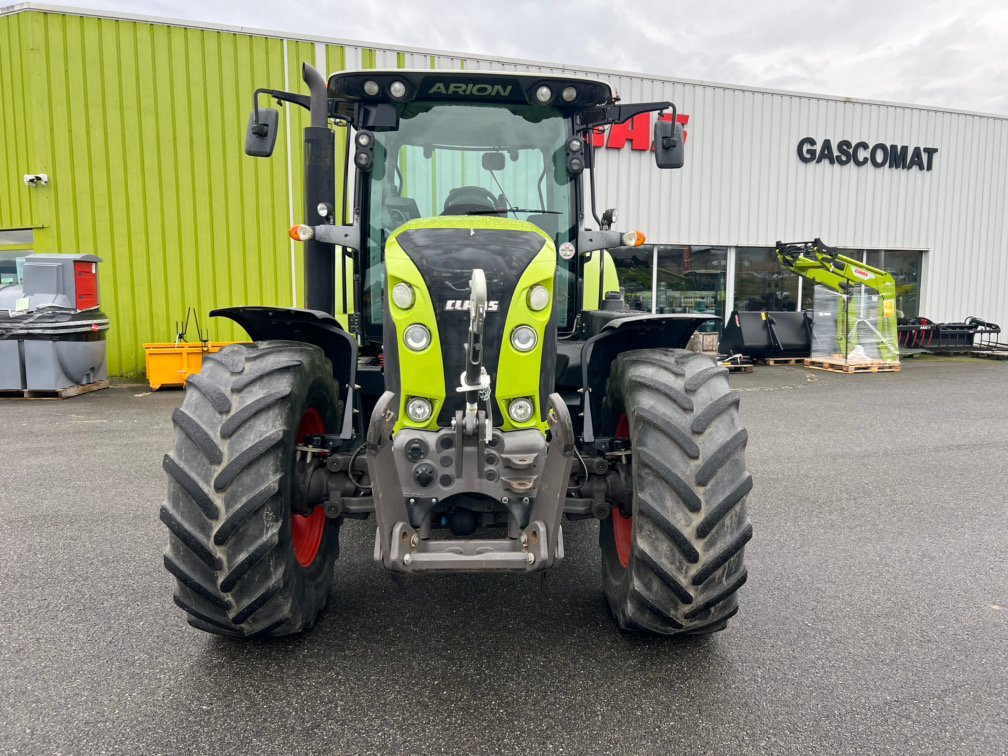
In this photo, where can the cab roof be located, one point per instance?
(569, 94)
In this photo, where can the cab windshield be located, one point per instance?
(505, 161)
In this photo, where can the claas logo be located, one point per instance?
(637, 132)
(462, 305)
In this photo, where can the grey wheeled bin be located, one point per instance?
(52, 334)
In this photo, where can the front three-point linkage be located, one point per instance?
(475, 379)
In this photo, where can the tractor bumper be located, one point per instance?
(519, 471)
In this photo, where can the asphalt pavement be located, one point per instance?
(875, 618)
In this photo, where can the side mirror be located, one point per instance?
(260, 137)
(669, 151)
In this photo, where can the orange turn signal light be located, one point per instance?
(300, 232)
(633, 239)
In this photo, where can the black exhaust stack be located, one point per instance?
(320, 188)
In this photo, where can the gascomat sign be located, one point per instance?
(859, 154)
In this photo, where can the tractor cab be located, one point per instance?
(441, 143)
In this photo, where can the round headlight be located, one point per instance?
(403, 296)
(418, 409)
(363, 138)
(574, 144)
(417, 337)
(568, 94)
(538, 298)
(523, 338)
(544, 94)
(371, 87)
(397, 89)
(520, 410)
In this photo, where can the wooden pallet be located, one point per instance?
(64, 393)
(784, 361)
(734, 366)
(840, 366)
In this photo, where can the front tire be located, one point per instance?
(244, 563)
(675, 564)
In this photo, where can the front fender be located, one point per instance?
(312, 327)
(623, 334)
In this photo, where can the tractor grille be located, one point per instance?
(446, 258)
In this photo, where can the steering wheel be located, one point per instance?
(398, 217)
(466, 199)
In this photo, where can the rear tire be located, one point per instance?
(676, 564)
(243, 565)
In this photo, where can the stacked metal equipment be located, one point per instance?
(850, 327)
(857, 300)
(971, 334)
(52, 332)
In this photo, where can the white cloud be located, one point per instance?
(919, 51)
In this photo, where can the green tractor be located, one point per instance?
(465, 371)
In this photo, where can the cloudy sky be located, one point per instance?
(931, 52)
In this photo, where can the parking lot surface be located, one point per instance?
(875, 618)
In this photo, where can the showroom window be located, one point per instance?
(906, 266)
(635, 268)
(762, 283)
(692, 279)
(678, 277)
(671, 278)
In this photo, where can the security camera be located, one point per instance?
(36, 179)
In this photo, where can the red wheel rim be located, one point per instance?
(306, 532)
(622, 525)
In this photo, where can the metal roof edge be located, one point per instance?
(254, 31)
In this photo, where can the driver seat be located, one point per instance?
(466, 199)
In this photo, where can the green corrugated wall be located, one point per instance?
(15, 133)
(140, 127)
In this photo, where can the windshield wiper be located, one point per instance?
(513, 210)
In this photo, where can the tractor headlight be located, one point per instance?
(419, 409)
(538, 298)
(403, 296)
(371, 87)
(524, 338)
(397, 89)
(417, 337)
(568, 94)
(544, 94)
(520, 410)
(633, 239)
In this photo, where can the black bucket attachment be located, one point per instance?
(765, 335)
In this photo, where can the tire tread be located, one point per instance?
(691, 520)
(224, 479)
